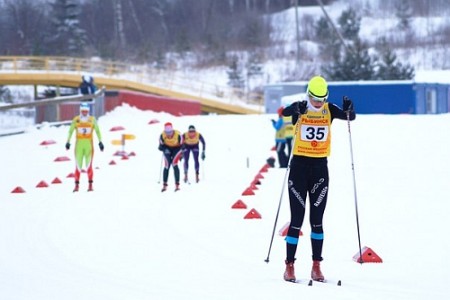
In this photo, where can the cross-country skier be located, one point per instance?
(308, 174)
(87, 86)
(280, 139)
(170, 142)
(84, 125)
(288, 134)
(191, 141)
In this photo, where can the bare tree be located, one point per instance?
(118, 17)
(23, 22)
(135, 18)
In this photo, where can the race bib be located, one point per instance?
(314, 133)
(84, 130)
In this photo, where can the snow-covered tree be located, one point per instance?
(66, 36)
(388, 66)
(350, 23)
(356, 64)
(235, 77)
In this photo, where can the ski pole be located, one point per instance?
(160, 169)
(281, 196)
(203, 169)
(354, 186)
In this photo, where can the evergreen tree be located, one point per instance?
(235, 78)
(403, 11)
(355, 65)
(323, 30)
(325, 37)
(254, 68)
(350, 24)
(254, 65)
(66, 35)
(388, 67)
(160, 62)
(5, 94)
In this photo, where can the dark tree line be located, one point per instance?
(136, 30)
(143, 31)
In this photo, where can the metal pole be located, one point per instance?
(282, 193)
(354, 187)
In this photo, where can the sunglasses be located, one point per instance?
(317, 99)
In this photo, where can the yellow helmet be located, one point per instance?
(318, 88)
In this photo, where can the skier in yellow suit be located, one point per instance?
(308, 174)
(84, 125)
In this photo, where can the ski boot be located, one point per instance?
(289, 273)
(90, 187)
(164, 187)
(185, 178)
(177, 187)
(197, 177)
(316, 274)
(77, 186)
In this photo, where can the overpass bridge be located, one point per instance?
(67, 72)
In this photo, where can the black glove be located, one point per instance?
(302, 107)
(161, 147)
(273, 121)
(67, 146)
(101, 146)
(203, 155)
(347, 104)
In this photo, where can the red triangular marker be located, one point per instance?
(42, 184)
(253, 186)
(255, 182)
(259, 176)
(368, 255)
(56, 180)
(117, 128)
(18, 190)
(252, 214)
(62, 158)
(239, 204)
(264, 168)
(248, 192)
(47, 142)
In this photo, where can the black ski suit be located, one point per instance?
(308, 176)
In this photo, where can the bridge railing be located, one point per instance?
(146, 74)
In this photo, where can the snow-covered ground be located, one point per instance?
(127, 240)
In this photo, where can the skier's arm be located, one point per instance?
(202, 140)
(293, 111)
(97, 130)
(161, 145)
(278, 124)
(71, 129)
(338, 113)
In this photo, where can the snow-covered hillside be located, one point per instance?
(429, 52)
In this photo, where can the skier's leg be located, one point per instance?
(297, 190)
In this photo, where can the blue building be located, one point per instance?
(372, 97)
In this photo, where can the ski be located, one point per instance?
(310, 282)
(332, 282)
